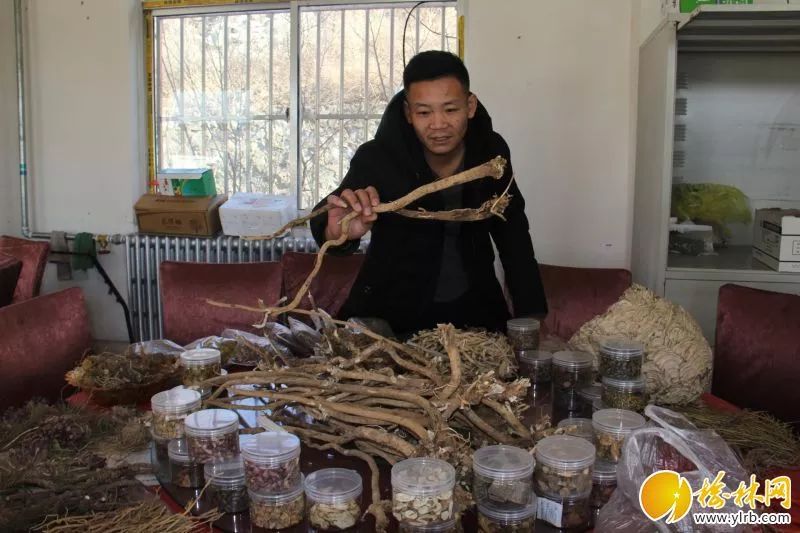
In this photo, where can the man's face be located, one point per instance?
(439, 110)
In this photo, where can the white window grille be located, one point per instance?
(277, 97)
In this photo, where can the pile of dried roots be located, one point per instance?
(54, 461)
(111, 371)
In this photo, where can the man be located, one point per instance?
(418, 273)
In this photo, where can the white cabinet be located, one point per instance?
(719, 102)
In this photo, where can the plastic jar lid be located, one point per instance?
(597, 405)
(622, 348)
(272, 448)
(178, 451)
(573, 360)
(632, 385)
(617, 421)
(604, 471)
(504, 515)
(502, 462)
(584, 426)
(523, 324)
(333, 485)
(281, 498)
(176, 401)
(211, 422)
(226, 474)
(534, 357)
(591, 393)
(565, 452)
(200, 357)
(416, 476)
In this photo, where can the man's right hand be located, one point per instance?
(361, 201)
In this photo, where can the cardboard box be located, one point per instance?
(249, 214)
(776, 238)
(179, 215)
(186, 182)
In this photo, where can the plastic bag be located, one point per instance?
(158, 346)
(252, 349)
(305, 336)
(654, 448)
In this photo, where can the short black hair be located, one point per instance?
(435, 64)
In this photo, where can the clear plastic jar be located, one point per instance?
(493, 518)
(587, 396)
(227, 485)
(159, 457)
(572, 513)
(535, 365)
(572, 371)
(333, 499)
(564, 466)
(272, 462)
(604, 482)
(578, 427)
(620, 358)
(199, 365)
(629, 394)
(523, 333)
(611, 426)
(502, 475)
(277, 511)
(212, 435)
(422, 491)
(184, 470)
(170, 408)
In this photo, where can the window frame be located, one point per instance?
(154, 9)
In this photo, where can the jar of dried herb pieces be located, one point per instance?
(170, 408)
(621, 358)
(185, 472)
(564, 466)
(536, 365)
(587, 396)
(571, 513)
(277, 511)
(449, 526)
(523, 333)
(272, 462)
(624, 394)
(333, 499)
(604, 482)
(212, 435)
(578, 427)
(572, 371)
(499, 518)
(422, 490)
(199, 365)
(227, 485)
(611, 426)
(502, 475)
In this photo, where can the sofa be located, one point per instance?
(33, 256)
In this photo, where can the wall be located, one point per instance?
(559, 81)
(557, 77)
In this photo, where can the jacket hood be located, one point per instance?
(397, 136)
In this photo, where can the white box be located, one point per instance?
(776, 237)
(250, 214)
(774, 264)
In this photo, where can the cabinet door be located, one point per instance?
(699, 298)
(656, 108)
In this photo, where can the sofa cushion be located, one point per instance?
(186, 286)
(577, 295)
(10, 268)
(33, 255)
(330, 288)
(42, 338)
(757, 352)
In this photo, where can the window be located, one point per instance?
(277, 97)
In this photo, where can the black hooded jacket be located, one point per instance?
(399, 276)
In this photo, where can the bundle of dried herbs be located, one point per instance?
(55, 460)
(124, 378)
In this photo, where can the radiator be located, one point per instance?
(146, 252)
